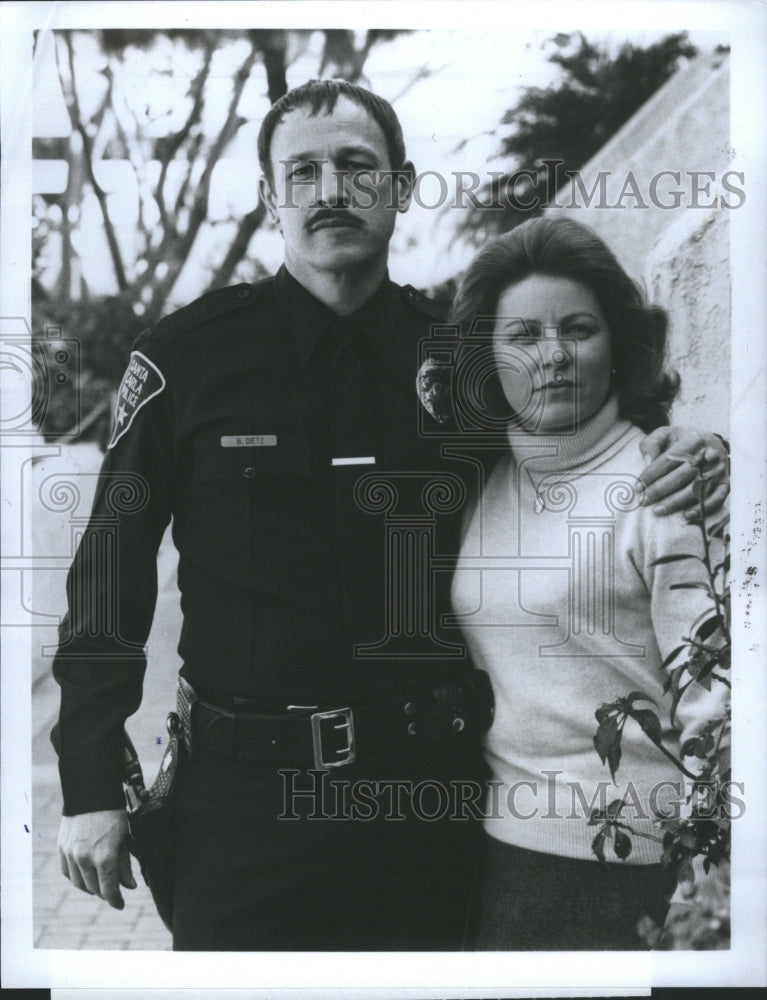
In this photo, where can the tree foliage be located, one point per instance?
(571, 120)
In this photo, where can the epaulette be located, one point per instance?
(423, 304)
(210, 306)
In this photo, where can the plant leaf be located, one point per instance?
(598, 845)
(622, 844)
(688, 839)
(650, 724)
(693, 585)
(671, 656)
(693, 747)
(614, 757)
(723, 565)
(677, 557)
(707, 628)
(638, 696)
(605, 737)
(716, 530)
(602, 712)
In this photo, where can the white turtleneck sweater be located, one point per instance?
(560, 602)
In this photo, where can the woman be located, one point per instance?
(558, 591)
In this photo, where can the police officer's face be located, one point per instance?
(333, 194)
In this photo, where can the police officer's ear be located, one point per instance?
(403, 189)
(269, 198)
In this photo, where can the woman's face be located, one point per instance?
(552, 349)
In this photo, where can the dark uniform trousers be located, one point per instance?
(322, 880)
(306, 504)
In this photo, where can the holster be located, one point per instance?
(150, 811)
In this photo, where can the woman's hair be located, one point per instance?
(564, 248)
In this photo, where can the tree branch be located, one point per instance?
(239, 246)
(73, 108)
(181, 246)
(197, 89)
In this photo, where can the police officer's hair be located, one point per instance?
(321, 96)
(562, 247)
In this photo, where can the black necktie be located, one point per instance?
(355, 437)
(353, 385)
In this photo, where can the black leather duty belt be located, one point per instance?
(335, 737)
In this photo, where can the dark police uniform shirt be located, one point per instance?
(304, 579)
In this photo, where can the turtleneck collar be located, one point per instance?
(550, 452)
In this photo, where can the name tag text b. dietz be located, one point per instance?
(249, 441)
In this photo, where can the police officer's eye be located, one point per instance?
(302, 170)
(361, 166)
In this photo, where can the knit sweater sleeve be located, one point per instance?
(670, 558)
(680, 602)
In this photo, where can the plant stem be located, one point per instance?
(638, 833)
(709, 570)
(675, 762)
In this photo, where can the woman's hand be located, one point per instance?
(668, 478)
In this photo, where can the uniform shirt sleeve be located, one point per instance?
(111, 592)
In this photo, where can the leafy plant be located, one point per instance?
(569, 121)
(703, 657)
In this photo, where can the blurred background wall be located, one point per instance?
(683, 257)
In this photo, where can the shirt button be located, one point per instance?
(243, 293)
(249, 472)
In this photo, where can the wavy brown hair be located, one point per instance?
(561, 247)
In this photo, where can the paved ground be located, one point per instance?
(65, 917)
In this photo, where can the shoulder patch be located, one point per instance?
(424, 304)
(210, 306)
(141, 382)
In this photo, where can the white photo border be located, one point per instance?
(425, 975)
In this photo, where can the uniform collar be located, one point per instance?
(308, 318)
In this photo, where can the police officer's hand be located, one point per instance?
(669, 477)
(94, 855)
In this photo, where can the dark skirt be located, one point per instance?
(531, 901)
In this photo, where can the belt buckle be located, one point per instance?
(347, 723)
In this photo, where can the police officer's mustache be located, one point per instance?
(328, 218)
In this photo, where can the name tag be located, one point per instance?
(249, 441)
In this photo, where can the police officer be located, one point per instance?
(327, 803)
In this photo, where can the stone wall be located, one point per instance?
(680, 254)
